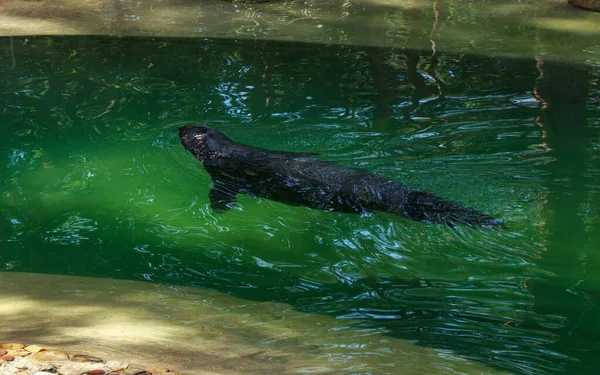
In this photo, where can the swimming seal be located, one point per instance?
(300, 179)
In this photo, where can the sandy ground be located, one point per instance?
(196, 331)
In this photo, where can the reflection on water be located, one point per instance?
(95, 182)
(497, 28)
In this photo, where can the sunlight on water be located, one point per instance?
(494, 28)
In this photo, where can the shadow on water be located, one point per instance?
(570, 206)
(97, 184)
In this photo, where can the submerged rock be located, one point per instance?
(116, 365)
(34, 349)
(12, 346)
(20, 353)
(51, 355)
(85, 358)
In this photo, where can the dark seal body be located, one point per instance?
(300, 179)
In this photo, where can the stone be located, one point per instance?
(22, 364)
(51, 355)
(68, 368)
(96, 372)
(9, 370)
(116, 365)
(12, 346)
(34, 349)
(157, 370)
(45, 367)
(8, 358)
(20, 353)
(85, 358)
(134, 370)
(3, 352)
(43, 373)
(76, 368)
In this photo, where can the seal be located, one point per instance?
(300, 179)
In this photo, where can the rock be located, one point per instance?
(96, 372)
(22, 364)
(3, 352)
(76, 368)
(20, 353)
(51, 355)
(34, 349)
(8, 358)
(68, 368)
(6, 369)
(134, 370)
(12, 346)
(116, 365)
(86, 358)
(45, 367)
(157, 370)
(43, 373)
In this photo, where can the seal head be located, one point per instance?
(203, 142)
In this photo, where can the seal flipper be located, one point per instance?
(221, 200)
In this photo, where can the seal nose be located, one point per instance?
(186, 135)
(193, 129)
(193, 135)
(184, 130)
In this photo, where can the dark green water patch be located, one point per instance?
(94, 182)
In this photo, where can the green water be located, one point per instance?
(94, 182)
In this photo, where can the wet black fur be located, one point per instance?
(300, 179)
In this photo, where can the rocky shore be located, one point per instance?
(21, 359)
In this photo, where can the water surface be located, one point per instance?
(96, 183)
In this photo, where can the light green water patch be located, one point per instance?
(95, 183)
(159, 195)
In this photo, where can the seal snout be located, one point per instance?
(192, 134)
(191, 130)
(183, 130)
